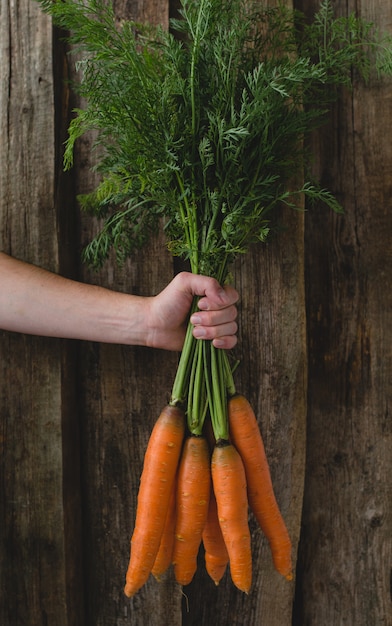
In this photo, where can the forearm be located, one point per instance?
(35, 301)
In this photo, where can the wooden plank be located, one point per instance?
(27, 134)
(272, 374)
(123, 390)
(39, 581)
(346, 544)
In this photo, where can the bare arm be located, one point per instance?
(38, 302)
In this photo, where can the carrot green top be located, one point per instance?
(202, 125)
(201, 128)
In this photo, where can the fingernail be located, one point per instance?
(199, 332)
(195, 319)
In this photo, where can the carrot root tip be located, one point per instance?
(129, 593)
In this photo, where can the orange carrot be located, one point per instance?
(156, 483)
(246, 437)
(164, 557)
(229, 482)
(216, 555)
(193, 494)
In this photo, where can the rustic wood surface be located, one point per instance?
(346, 546)
(75, 416)
(121, 401)
(40, 568)
(272, 374)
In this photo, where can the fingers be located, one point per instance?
(218, 297)
(222, 336)
(204, 320)
(216, 318)
(217, 325)
(225, 343)
(212, 295)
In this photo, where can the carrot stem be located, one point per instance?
(197, 405)
(181, 381)
(228, 373)
(203, 381)
(215, 374)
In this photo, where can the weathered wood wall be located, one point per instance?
(75, 417)
(346, 544)
(40, 579)
(119, 410)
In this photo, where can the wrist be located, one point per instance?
(131, 321)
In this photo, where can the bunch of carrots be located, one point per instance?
(201, 129)
(201, 494)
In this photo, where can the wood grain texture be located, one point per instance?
(122, 391)
(272, 375)
(346, 547)
(27, 133)
(119, 391)
(325, 294)
(39, 545)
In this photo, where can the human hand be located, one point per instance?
(215, 320)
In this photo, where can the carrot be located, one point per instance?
(156, 483)
(164, 557)
(216, 555)
(229, 482)
(193, 494)
(246, 436)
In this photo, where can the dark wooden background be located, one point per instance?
(315, 344)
